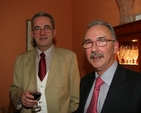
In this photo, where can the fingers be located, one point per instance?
(27, 99)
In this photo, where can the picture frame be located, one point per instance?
(28, 36)
(137, 16)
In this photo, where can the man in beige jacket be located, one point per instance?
(60, 86)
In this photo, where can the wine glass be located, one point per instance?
(37, 95)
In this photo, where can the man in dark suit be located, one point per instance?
(121, 90)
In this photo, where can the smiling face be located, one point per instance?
(101, 58)
(43, 39)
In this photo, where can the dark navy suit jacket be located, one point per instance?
(124, 95)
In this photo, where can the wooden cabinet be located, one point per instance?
(126, 34)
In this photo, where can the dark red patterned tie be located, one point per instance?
(42, 67)
(93, 104)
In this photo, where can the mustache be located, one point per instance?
(96, 54)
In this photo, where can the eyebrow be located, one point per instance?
(86, 40)
(44, 26)
(101, 37)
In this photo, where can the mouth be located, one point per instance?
(43, 38)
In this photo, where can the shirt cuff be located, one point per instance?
(19, 105)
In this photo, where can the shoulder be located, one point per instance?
(129, 72)
(133, 74)
(64, 52)
(89, 75)
(130, 75)
(87, 78)
(27, 54)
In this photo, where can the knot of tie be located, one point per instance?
(98, 83)
(42, 55)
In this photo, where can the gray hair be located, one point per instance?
(43, 14)
(101, 22)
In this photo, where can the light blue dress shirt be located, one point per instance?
(107, 78)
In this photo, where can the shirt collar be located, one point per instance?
(48, 52)
(108, 75)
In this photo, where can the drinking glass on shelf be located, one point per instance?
(136, 54)
(121, 54)
(37, 95)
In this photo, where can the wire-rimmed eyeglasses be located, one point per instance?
(100, 42)
(46, 29)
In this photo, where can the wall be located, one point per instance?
(13, 33)
(71, 17)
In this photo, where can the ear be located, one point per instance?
(54, 32)
(116, 47)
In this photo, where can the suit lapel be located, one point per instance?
(54, 66)
(30, 64)
(116, 91)
(86, 90)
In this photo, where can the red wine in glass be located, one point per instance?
(36, 95)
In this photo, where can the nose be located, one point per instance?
(94, 47)
(42, 32)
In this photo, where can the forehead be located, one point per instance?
(41, 21)
(97, 31)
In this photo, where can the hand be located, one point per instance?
(27, 99)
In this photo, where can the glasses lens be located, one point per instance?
(101, 42)
(36, 30)
(46, 29)
(87, 44)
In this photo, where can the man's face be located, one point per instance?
(104, 55)
(43, 39)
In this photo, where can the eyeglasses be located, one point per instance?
(46, 29)
(100, 42)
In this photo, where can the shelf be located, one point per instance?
(126, 33)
